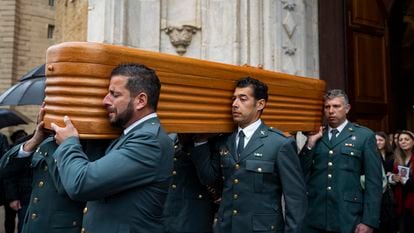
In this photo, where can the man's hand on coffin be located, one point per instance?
(40, 133)
(314, 137)
(62, 133)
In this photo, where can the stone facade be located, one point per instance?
(277, 35)
(71, 20)
(24, 40)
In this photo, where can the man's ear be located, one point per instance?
(347, 108)
(260, 104)
(140, 101)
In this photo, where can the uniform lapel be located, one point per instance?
(325, 137)
(255, 142)
(231, 145)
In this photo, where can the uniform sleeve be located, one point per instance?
(306, 157)
(133, 164)
(293, 186)
(373, 183)
(207, 164)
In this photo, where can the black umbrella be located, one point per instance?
(30, 89)
(10, 117)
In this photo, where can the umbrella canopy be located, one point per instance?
(37, 72)
(30, 89)
(10, 117)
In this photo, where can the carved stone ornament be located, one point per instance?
(289, 5)
(289, 51)
(181, 37)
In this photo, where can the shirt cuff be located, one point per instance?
(22, 153)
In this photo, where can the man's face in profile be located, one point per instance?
(118, 102)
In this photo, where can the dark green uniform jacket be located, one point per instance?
(127, 187)
(336, 199)
(189, 206)
(254, 183)
(50, 209)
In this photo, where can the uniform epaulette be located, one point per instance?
(277, 131)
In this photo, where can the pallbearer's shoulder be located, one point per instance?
(359, 129)
(274, 132)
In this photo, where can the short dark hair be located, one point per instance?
(140, 79)
(333, 93)
(259, 88)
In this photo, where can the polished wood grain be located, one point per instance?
(195, 94)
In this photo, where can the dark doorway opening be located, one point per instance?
(401, 34)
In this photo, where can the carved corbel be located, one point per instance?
(289, 5)
(181, 37)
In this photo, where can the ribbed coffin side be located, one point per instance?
(195, 94)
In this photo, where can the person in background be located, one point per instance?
(333, 161)
(18, 188)
(386, 151)
(404, 188)
(9, 213)
(257, 164)
(50, 209)
(190, 206)
(387, 218)
(127, 187)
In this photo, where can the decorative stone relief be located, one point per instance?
(181, 37)
(289, 23)
(289, 5)
(289, 51)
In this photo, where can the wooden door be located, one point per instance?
(368, 64)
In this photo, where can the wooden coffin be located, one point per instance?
(195, 94)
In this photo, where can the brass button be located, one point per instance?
(174, 173)
(221, 165)
(176, 146)
(329, 188)
(85, 210)
(45, 168)
(35, 200)
(331, 152)
(175, 159)
(83, 230)
(173, 186)
(235, 196)
(74, 223)
(40, 184)
(330, 164)
(259, 169)
(237, 166)
(352, 153)
(223, 177)
(200, 196)
(45, 153)
(34, 216)
(235, 212)
(272, 227)
(329, 176)
(236, 181)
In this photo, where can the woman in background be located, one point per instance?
(404, 185)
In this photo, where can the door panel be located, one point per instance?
(368, 65)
